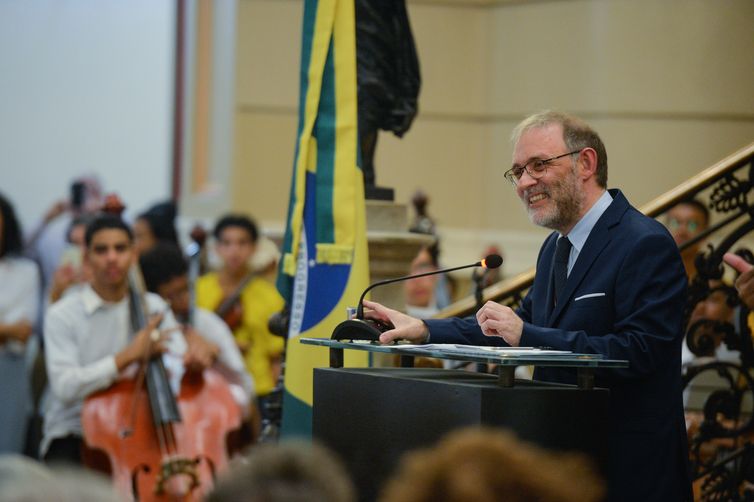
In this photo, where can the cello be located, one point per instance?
(156, 444)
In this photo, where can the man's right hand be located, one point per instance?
(406, 327)
(148, 340)
(745, 281)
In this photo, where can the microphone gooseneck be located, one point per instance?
(489, 262)
(370, 329)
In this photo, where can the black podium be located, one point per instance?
(372, 416)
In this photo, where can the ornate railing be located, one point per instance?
(721, 430)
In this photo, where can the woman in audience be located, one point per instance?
(155, 225)
(19, 301)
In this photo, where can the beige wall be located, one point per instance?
(267, 69)
(667, 83)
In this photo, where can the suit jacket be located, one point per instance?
(623, 299)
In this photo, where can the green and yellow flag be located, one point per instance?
(325, 264)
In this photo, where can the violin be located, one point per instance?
(157, 445)
(231, 308)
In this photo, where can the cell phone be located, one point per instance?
(72, 256)
(77, 194)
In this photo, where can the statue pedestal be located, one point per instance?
(379, 193)
(391, 249)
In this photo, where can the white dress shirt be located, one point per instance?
(19, 294)
(229, 361)
(83, 333)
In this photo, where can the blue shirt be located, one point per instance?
(580, 232)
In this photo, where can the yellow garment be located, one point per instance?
(260, 300)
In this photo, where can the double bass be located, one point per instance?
(159, 445)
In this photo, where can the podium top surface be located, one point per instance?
(503, 356)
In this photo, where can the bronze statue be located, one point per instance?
(388, 79)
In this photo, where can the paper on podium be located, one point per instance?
(482, 350)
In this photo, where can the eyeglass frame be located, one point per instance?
(537, 173)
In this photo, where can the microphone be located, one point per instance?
(370, 329)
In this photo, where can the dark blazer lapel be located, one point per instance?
(598, 238)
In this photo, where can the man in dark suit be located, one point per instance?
(609, 281)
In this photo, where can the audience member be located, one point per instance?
(286, 472)
(421, 300)
(157, 224)
(244, 300)
(19, 303)
(24, 480)
(166, 273)
(71, 271)
(686, 220)
(89, 340)
(47, 243)
(491, 465)
(443, 284)
(265, 259)
(421, 295)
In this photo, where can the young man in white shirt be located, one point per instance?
(89, 340)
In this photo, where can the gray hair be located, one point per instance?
(577, 135)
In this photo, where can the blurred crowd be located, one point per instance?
(52, 262)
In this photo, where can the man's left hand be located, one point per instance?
(502, 321)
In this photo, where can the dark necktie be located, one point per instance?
(560, 266)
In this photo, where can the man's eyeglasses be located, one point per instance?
(536, 168)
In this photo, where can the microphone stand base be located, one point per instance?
(359, 329)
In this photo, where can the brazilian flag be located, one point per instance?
(324, 267)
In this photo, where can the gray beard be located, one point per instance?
(567, 206)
